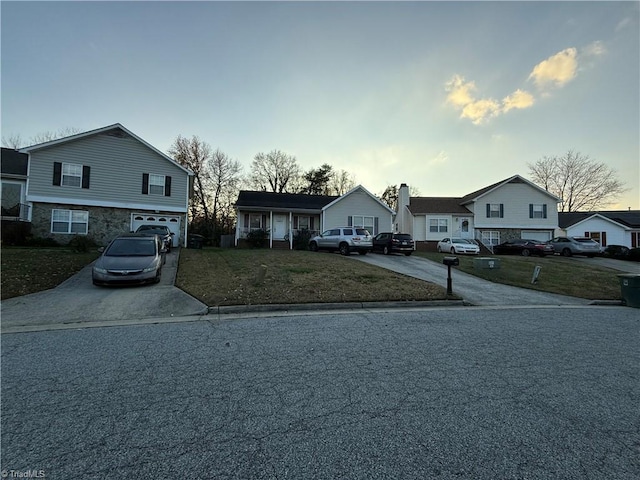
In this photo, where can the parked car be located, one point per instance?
(458, 245)
(523, 247)
(131, 258)
(161, 230)
(568, 246)
(343, 239)
(393, 242)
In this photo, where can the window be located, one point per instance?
(491, 238)
(635, 239)
(361, 221)
(438, 225)
(155, 184)
(69, 221)
(600, 237)
(11, 199)
(537, 211)
(255, 221)
(71, 174)
(465, 225)
(301, 222)
(495, 210)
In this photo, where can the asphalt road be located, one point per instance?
(457, 393)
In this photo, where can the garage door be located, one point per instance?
(539, 235)
(171, 221)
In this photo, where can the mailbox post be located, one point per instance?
(449, 261)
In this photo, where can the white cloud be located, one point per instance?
(594, 49)
(518, 99)
(557, 70)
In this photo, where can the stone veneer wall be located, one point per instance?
(105, 223)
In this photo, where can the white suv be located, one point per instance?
(343, 239)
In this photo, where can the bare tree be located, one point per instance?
(581, 182)
(341, 182)
(275, 172)
(16, 142)
(225, 176)
(194, 154)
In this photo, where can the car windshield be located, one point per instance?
(460, 240)
(157, 231)
(585, 240)
(129, 247)
(403, 236)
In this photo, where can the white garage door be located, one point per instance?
(539, 235)
(171, 221)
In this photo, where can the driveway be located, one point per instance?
(472, 289)
(77, 300)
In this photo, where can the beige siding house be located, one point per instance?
(103, 183)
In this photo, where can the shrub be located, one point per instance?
(258, 238)
(41, 242)
(617, 251)
(634, 255)
(81, 243)
(301, 239)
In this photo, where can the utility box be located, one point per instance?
(630, 289)
(486, 263)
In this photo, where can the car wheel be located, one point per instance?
(158, 275)
(526, 252)
(385, 250)
(313, 246)
(566, 252)
(362, 252)
(453, 250)
(344, 249)
(439, 249)
(407, 253)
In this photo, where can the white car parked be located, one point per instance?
(458, 245)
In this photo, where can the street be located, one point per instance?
(464, 393)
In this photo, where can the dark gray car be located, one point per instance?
(133, 258)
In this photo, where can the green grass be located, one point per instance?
(565, 276)
(31, 270)
(231, 277)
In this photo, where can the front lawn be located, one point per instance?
(565, 276)
(31, 270)
(218, 276)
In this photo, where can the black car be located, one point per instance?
(523, 247)
(393, 242)
(160, 230)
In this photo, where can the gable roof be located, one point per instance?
(14, 162)
(288, 201)
(624, 218)
(474, 196)
(116, 129)
(423, 205)
(355, 189)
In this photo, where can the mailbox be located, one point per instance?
(451, 261)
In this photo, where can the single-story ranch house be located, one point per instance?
(615, 227)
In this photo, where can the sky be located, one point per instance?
(448, 97)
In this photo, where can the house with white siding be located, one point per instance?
(103, 183)
(509, 209)
(613, 227)
(284, 215)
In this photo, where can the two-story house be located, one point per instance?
(103, 183)
(509, 209)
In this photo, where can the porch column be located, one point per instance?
(290, 231)
(271, 229)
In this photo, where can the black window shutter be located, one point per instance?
(86, 174)
(603, 239)
(167, 186)
(246, 220)
(531, 210)
(502, 210)
(544, 211)
(375, 226)
(488, 210)
(349, 221)
(57, 173)
(145, 184)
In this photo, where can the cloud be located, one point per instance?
(594, 49)
(461, 96)
(556, 70)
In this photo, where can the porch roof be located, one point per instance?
(248, 199)
(437, 205)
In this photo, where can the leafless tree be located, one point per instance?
(341, 182)
(194, 154)
(582, 183)
(275, 171)
(225, 176)
(16, 142)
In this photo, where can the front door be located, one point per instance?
(279, 227)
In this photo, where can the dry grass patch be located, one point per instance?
(233, 277)
(31, 270)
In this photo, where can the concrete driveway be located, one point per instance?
(78, 300)
(472, 289)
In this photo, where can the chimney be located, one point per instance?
(402, 218)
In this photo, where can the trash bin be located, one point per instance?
(630, 287)
(195, 241)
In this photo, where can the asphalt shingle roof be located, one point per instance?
(248, 199)
(630, 218)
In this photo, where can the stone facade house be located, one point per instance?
(103, 183)
(506, 210)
